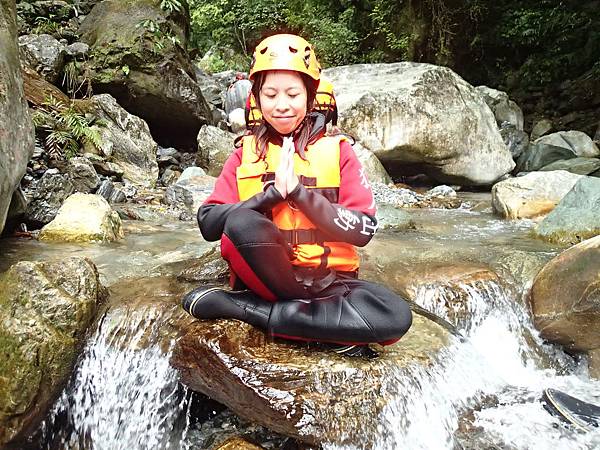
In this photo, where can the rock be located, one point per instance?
(45, 309)
(78, 50)
(84, 218)
(17, 136)
(374, 170)
(576, 217)
(38, 91)
(384, 194)
(237, 443)
(214, 147)
(83, 175)
(565, 298)
(111, 193)
(237, 95)
(148, 72)
(44, 54)
(532, 195)
(580, 144)
(126, 141)
(421, 117)
(504, 109)
(166, 156)
(212, 88)
(169, 177)
(46, 196)
(391, 217)
(538, 155)
(293, 389)
(517, 141)
(594, 363)
(209, 268)
(597, 135)
(192, 174)
(579, 165)
(441, 191)
(540, 128)
(237, 120)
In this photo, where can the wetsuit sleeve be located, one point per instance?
(225, 199)
(351, 220)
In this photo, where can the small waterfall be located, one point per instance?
(483, 391)
(124, 394)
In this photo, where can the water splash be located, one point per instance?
(124, 394)
(490, 383)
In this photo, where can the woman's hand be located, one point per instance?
(285, 178)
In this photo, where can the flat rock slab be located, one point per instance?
(293, 389)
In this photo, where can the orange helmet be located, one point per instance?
(285, 52)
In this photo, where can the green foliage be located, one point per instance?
(47, 25)
(160, 35)
(66, 129)
(76, 81)
(171, 5)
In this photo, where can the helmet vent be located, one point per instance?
(293, 50)
(264, 50)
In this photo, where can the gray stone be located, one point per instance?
(441, 191)
(236, 95)
(214, 147)
(538, 155)
(504, 109)
(78, 50)
(17, 134)
(424, 116)
(111, 193)
(580, 165)
(541, 128)
(576, 217)
(374, 170)
(391, 217)
(127, 140)
(517, 141)
(580, 144)
(44, 54)
(83, 175)
(46, 197)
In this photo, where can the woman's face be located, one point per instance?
(283, 100)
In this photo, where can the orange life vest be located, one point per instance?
(321, 172)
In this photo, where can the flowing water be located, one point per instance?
(483, 392)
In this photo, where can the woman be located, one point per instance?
(289, 208)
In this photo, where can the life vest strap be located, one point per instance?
(309, 236)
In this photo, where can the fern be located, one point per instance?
(67, 130)
(171, 5)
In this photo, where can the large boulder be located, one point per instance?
(374, 170)
(84, 218)
(293, 389)
(576, 217)
(579, 143)
(126, 140)
(137, 54)
(420, 117)
(45, 309)
(531, 195)
(214, 147)
(16, 129)
(579, 165)
(46, 196)
(565, 298)
(44, 54)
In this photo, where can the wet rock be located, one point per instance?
(209, 268)
(420, 116)
(45, 309)
(541, 128)
(532, 195)
(576, 217)
(214, 147)
(126, 141)
(190, 190)
(391, 217)
(565, 298)
(517, 141)
(384, 194)
(294, 390)
(16, 129)
(374, 170)
(83, 175)
(44, 54)
(504, 109)
(580, 165)
(46, 196)
(158, 84)
(84, 218)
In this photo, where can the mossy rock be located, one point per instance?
(45, 309)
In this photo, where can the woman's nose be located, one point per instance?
(282, 104)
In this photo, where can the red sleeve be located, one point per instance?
(355, 190)
(226, 190)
